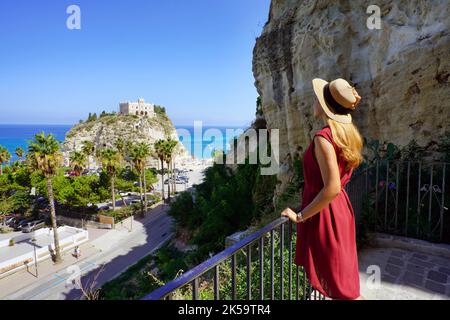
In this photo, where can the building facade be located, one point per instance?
(139, 108)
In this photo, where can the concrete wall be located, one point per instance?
(21, 261)
(78, 223)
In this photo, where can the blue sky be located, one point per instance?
(192, 56)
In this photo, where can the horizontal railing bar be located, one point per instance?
(205, 266)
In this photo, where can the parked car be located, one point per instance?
(33, 226)
(18, 226)
(104, 208)
(11, 221)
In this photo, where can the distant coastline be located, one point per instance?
(18, 135)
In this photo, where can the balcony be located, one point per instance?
(394, 200)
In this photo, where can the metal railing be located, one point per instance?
(406, 198)
(266, 234)
(367, 189)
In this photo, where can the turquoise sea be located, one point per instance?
(200, 144)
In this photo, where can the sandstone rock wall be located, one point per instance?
(401, 71)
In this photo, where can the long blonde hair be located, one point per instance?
(347, 137)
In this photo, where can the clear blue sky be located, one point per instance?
(192, 56)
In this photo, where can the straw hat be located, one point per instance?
(337, 98)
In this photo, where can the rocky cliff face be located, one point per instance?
(401, 70)
(105, 131)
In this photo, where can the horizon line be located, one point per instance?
(234, 125)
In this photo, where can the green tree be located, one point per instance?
(5, 156)
(110, 160)
(19, 152)
(138, 153)
(159, 153)
(169, 150)
(46, 157)
(78, 162)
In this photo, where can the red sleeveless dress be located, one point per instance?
(326, 242)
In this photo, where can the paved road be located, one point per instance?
(115, 251)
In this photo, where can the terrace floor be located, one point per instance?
(409, 270)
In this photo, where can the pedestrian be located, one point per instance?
(325, 221)
(77, 252)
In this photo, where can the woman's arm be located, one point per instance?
(326, 158)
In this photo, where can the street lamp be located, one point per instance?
(35, 257)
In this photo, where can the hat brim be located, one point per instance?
(318, 85)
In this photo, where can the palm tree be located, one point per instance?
(110, 160)
(159, 153)
(176, 151)
(138, 153)
(19, 152)
(78, 162)
(120, 146)
(44, 155)
(169, 147)
(5, 156)
(88, 149)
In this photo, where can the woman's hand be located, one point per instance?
(288, 212)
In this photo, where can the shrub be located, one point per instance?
(5, 229)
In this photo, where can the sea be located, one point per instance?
(200, 142)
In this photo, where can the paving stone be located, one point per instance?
(433, 286)
(398, 254)
(444, 270)
(421, 263)
(420, 256)
(396, 261)
(415, 268)
(388, 278)
(412, 278)
(441, 261)
(437, 276)
(393, 270)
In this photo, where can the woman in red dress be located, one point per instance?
(326, 237)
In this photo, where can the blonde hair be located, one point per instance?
(348, 138)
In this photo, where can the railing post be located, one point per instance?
(233, 276)
(442, 203)
(419, 196)
(396, 194)
(304, 283)
(249, 265)
(261, 268)
(376, 195)
(216, 282)
(430, 201)
(272, 265)
(296, 282)
(386, 185)
(195, 289)
(407, 198)
(290, 260)
(281, 261)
